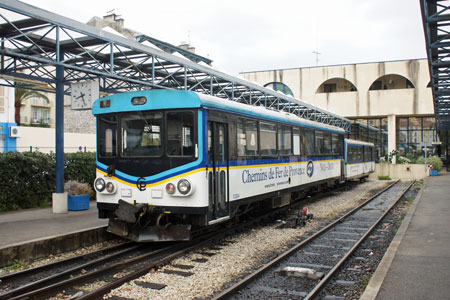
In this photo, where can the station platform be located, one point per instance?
(417, 264)
(40, 223)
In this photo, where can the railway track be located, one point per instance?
(305, 270)
(113, 266)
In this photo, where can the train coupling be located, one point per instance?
(128, 225)
(156, 234)
(178, 232)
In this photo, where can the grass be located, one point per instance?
(384, 177)
(398, 223)
(16, 266)
(365, 281)
(410, 199)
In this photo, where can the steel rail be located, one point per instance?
(246, 280)
(36, 285)
(27, 272)
(97, 294)
(49, 289)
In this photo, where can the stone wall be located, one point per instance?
(78, 121)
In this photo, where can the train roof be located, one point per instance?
(357, 142)
(170, 99)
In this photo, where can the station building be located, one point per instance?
(390, 103)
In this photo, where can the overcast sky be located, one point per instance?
(248, 35)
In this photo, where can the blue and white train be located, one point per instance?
(359, 159)
(169, 161)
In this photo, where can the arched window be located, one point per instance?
(336, 85)
(279, 87)
(391, 82)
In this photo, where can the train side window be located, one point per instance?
(268, 134)
(360, 153)
(285, 140)
(296, 142)
(309, 142)
(354, 154)
(327, 143)
(247, 137)
(320, 144)
(180, 134)
(336, 144)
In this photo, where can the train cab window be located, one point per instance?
(107, 136)
(285, 140)
(141, 134)
(247, 137)
(309, 142)
(268, 134)
(296, 142)
(180, 134)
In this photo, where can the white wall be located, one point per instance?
(7, 108)
(43, 140)
(400, 171)
(304, 83)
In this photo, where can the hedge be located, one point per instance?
(28, 179)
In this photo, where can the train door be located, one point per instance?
(218, 172)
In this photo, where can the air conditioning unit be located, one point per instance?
(14, 131)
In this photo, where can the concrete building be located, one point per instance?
(390, 102)
(38, 111)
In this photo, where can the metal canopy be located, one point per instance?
(34, 42)
(141, 38)
(436, 23)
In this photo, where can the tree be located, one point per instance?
(21, 95)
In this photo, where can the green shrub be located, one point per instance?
(80, 166)
(384, 177)
(25, 180)
(403, 160)
(28, 179)
(435, 161)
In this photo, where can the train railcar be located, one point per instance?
(359, 159)
(171, 160)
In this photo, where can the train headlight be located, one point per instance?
(99, 184)
(184, 186)
(170, 188)
(110, 188)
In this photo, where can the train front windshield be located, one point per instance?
(131, 136)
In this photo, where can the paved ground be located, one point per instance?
(419, 267)
(31, 224)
